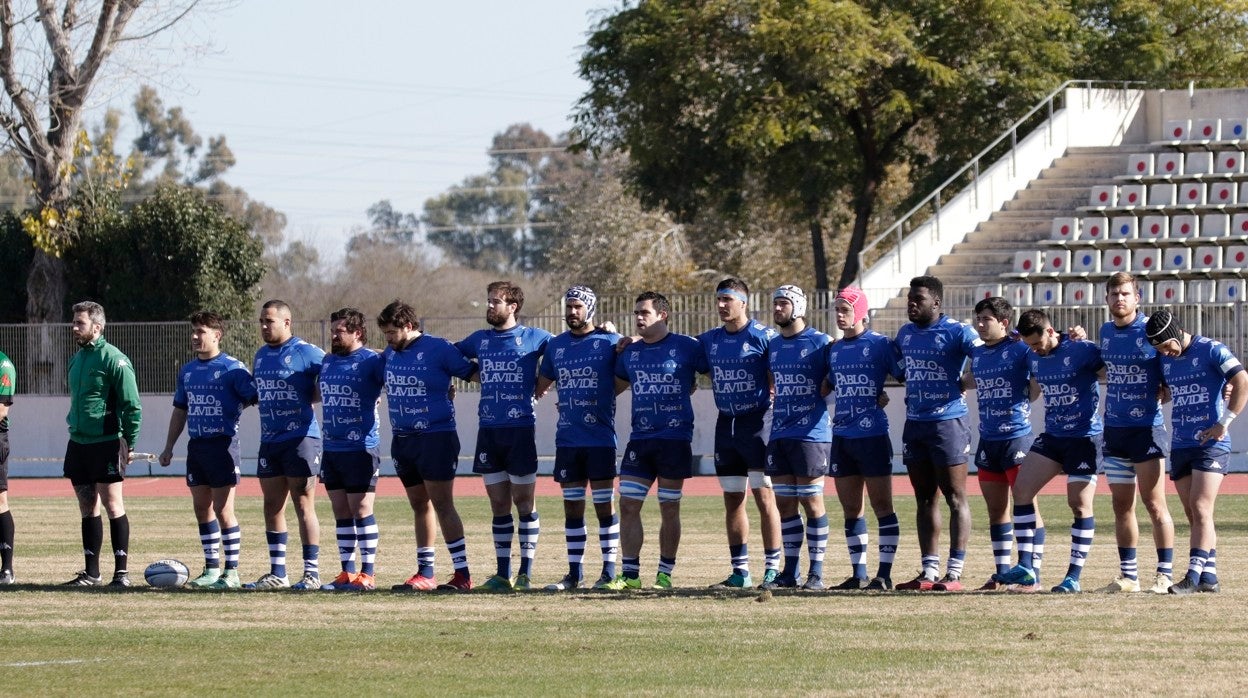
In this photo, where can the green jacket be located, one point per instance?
(103, 396)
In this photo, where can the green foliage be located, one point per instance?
(172, 254)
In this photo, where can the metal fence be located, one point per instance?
(157, 349)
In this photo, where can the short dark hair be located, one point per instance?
(1033, 322)
(353, 321)
(209, 319)
(930, 283)
(998, 306)
(94, 311)
(658, 300)
(511, 292)
(276, 304)
(398, 314)
(734, 284)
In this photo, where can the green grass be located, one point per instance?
(690, 641)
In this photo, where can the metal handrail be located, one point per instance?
(1012, 133)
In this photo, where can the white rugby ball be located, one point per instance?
(166, 574)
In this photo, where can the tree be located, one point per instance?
(807, 101)
(503, 220)
(390, 227)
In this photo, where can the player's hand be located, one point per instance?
(608, 326)
(882, 399)
(1163, 393)
(623, 343)
(1076, 332)
(450, 392)
(1213, 433)
(166, 457)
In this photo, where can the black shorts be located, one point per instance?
(942, 444)
(1213, 459)
(213, 462)
(798, 458)
(4, 461)
(865, 456)
(291, 458)
(1002, 456)
(1135, 444)
(581, 463)
(353, 471)
(739, 444)
(649, 459)
(1078, 455)
(90, 464)
(426, 455)
(511, 450)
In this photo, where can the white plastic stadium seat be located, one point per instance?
(1202, 291)
(1191, 194)
(1115, 260)
(983, 291)
(1168, 164)
(1176, 130)
(1204, 130)
(1027, 262)
(1146, 259)
(1176, 258)
(1085, 261)
(1146, 291)
(1200, 162)
(1234, 129)
(1184, 226)
(1140, 164)
(1078, 293)
(1132, 195)
(1222, 193)
(1154, 227)
(1215, 225)
(1230, 290)
(1235, 257)
(1048, 293)
(1239, 224)
(1229, 162)
(1093, 228)
(1064, 229)
(1103, 195)
(1207, 258)
(1168, 292)
(1123, 228)
(1019, 295)
(1161, 194)
(1056, 261)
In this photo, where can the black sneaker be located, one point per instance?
(879, 584)
(84, 580)
(781, 582)
(814, 583)
(1184, 587)
(6, 578)
(1208, 587)
(121, 580)
(851, 584)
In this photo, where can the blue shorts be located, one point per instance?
(739, 444)
(580, 463)
(865, 456)
(511, 450)
(798, 458)
(1078, 455)
(213, 462)
(1002, 456)
(649, 459)
(426, 455)
(1212, 459)
(291, 458)
(942, 444)
(1135, 444)
(353, 471)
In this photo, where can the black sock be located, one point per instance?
(6, 541)
(119, 534)
(92, 540)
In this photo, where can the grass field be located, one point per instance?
(690, 641)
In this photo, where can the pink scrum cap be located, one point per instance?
(857, 300)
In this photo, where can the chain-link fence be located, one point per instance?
(157, 349)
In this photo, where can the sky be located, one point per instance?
(330, 107)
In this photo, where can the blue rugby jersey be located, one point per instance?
(933, 358)
(738, 367)
(661, 377)
(507, 360)
(583, 370)
(1002, 389)
(418, 383)
(1196, 379)
(798, 366)
(858, 367)
(1132, 375)
(1068, 382)
(350, 386)
(214, 393)
(286, 382)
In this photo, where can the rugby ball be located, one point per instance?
(166, 574)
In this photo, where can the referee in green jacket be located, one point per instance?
(104, 417)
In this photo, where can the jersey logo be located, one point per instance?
(1083, 466)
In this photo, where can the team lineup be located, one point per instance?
(795, 407)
